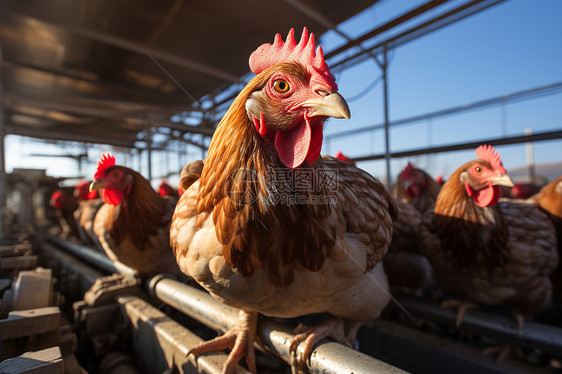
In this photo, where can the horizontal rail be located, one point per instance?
(93, 257)
(86, 273)
(529, 94)
(327, 357)
(174, 340)
(463, 11)
(534, 335)
(535, 137)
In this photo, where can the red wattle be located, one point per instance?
(112, 197)
(488, 196)
(413, 190)
(315, 143)
(293, 145)
(260, 125)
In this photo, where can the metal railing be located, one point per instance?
(328, 357)
(93, 257)
(533, 335)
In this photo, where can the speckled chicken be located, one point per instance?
(487, 252)
(270, 226)
(134, 223)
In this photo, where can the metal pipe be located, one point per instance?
(87, 274)
(149, 151)
(536, 137)
(387, 26)
(3, 186)
(154, 329)
(435, 23)
(533, 93)
(93, 257)
(327, 357)
(533, 335)
(384, 67)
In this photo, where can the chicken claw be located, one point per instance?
(505, 350)
(463, 306)
(331, 328)
(240, 339)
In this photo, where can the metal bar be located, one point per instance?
(536, 137)
(387, 158)
(86, 273)
(93, 257)
(3, 187)
(533, 335)
(149, 151)
(387, 26)
(15, 129)
(436, 23)
(419, 352)
(327, 357)
(153, 329)
(551, 89)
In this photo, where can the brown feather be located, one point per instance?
(139, 216)
(236, 182)
(480, 234)
(492, 254)
(549, 199)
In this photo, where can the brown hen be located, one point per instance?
(134, 223)
(487, 252)
(549, 199)
(414, 186)
(270, 227)
(65, 205)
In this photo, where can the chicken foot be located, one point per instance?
(463, 306)
(240, 339)
(504, 350)
(333, 328)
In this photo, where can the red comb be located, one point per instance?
(407, 170)
(57, 195)
(105, 161)
(341, 156)
(268, 54)
(82, 190)
(488, 153)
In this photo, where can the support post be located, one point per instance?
(149, 151)
(3, 184)
(384, 67)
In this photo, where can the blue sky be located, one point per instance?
(510, 47)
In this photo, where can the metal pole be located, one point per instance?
(149, 149)
(534, 335)
(93, 257)
(384, 67)
(2, 160)
(530, 157)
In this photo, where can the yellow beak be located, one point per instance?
(332, 105)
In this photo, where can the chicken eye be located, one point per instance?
(281, 86)
(478, 169)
